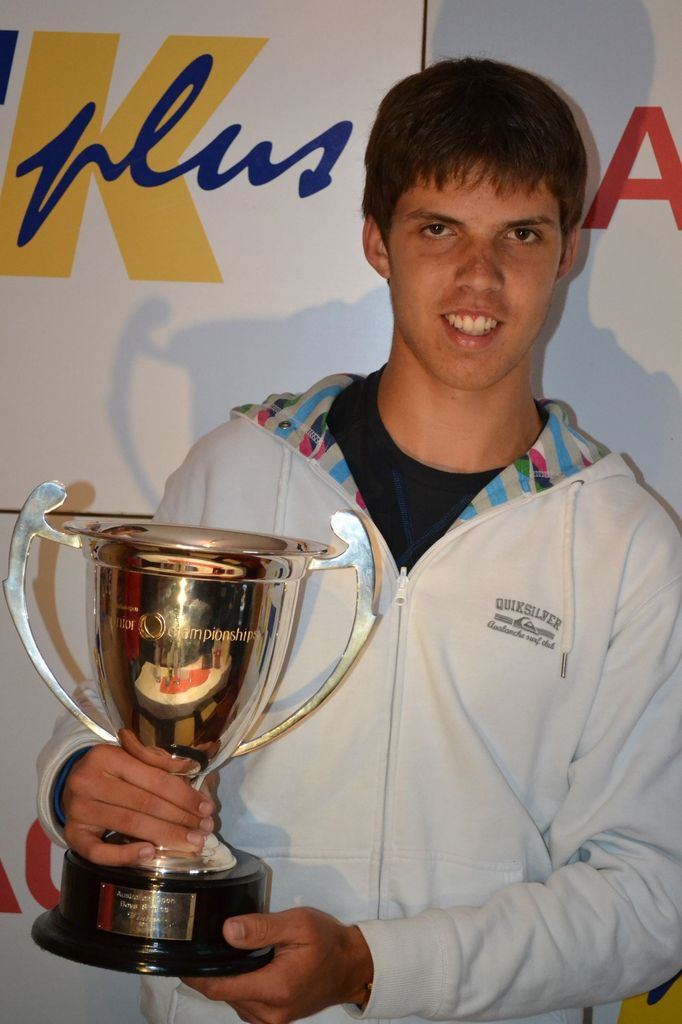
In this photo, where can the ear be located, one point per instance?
(375, 248)
(569, 252)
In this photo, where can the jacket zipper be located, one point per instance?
(400, 599)
(401, 591)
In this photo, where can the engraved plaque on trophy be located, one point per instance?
(189, 629)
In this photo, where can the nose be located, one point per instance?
(479, 267)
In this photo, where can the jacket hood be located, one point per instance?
(300, 420)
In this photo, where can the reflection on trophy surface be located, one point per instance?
(185, 645)
(189, 629)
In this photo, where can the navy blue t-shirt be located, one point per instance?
(410, 503)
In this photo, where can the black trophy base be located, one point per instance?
(124, 919)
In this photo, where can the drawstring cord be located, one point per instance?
(282, 488)
(568, 581)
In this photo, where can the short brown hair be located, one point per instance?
(472, 120)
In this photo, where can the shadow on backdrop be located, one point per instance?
(230, 362)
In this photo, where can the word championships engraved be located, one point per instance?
(153, 626)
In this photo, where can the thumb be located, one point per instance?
(251, 931)
(248, 932)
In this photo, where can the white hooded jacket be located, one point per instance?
(493, 791)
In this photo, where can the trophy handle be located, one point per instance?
(358, 554)
(32, 523)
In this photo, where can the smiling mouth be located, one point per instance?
(476, 326)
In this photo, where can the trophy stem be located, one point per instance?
(215, 857)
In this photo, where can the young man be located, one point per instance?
(485, 814)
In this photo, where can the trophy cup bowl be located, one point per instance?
(189, 630)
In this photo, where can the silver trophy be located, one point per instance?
(189, 630)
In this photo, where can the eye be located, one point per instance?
(525, 235)
(435, 230)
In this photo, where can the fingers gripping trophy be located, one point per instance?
(189, 629)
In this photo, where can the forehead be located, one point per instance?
(481, 199)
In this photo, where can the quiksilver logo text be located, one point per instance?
(526, 621)
(523, 608)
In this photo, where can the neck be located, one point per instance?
(457, 430)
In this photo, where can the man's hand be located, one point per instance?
(318, 962)
(132, 789)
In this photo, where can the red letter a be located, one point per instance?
(8, 901)
(38, 867)
(616, 185)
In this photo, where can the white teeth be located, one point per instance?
(471, 325)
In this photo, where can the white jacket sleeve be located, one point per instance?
(69, 737)
(607, 923)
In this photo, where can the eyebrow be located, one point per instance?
(443, 218)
